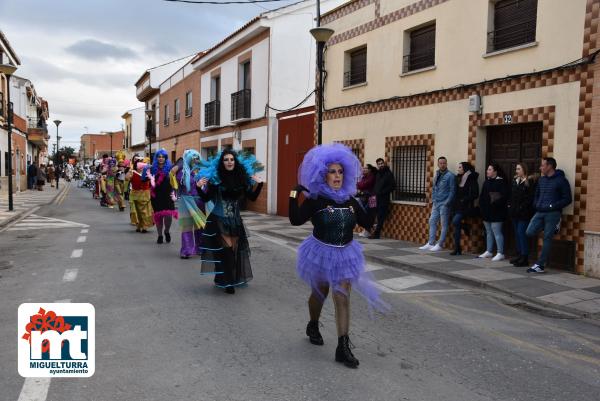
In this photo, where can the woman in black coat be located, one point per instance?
(467, 191)
(520, 209)
(493, 204)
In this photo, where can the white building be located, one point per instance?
(267, 64)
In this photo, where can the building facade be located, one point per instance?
(135, 131)
(503, 81)
(93, 146)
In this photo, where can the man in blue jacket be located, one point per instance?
(444, 187)
(553, 193)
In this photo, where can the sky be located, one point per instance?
(84, 56)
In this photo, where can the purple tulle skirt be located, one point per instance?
(319, 264)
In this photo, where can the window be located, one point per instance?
(356, 67)
(409, 165)
(176, 110)
(188, 104)
(215, 88)
(209, 152)
(421, 50)
(166, 118)
(173, 156)
(244, 75)
(514, 24)
(250, 150)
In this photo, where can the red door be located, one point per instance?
(295, 138)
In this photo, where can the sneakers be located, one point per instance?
(426, 247)
(436, 248)
(536, 269)
(486, 254)
(498, 257)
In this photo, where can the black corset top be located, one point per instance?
(334, 226)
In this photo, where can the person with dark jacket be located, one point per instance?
(385, 183)
(553, 193)
(31, 175)
(520, 209)
(492, 202)
(467, 191)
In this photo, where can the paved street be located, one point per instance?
(165, 333)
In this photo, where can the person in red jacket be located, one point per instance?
(366, 194)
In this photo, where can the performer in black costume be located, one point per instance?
(330, 258)
(225, 251)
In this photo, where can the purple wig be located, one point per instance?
(313, 171)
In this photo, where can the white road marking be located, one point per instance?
(77, 253)
(81, 238)
(36, 388)
(85, 231)
(70, 275)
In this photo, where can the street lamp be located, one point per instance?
(321, 35)
(8, 70)
(57, 122)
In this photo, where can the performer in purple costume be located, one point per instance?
(330, 258)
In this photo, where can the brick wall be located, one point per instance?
(593, 190)
(102, 143)
(187, 141)
(185, 124)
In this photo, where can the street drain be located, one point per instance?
(542, 312)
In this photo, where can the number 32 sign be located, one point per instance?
(508, 119)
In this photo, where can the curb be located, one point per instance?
(460, 279)
(24, 213)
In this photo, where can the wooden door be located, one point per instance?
(508, 145)
(295, 138)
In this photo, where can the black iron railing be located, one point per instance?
(409, 165)
(212, 113)
(355, 76)
(240, 104)
(150, 129)
(419, 60)
(512, 35)
(37, 123)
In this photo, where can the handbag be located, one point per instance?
(372, 202)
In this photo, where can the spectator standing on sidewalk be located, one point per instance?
(50, 172)
(442, 195)
(366, 194)
(41, 178)
(467, 191)
(31, 175)
(553, 193)
(385, 184)
(57, 173)
(493, 205)
(520, 210)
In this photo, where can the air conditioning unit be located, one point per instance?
(474, 104)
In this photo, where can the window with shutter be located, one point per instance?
(514, 24)
(357, 71)
(422, 49)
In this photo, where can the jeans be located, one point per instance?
(439, 212)
(520, 227)
(383, 206)
(549, 222)
(493, 230)
(458, 226)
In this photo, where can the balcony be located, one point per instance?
(240, 105)
(37, 124)
(37, 131)
(212, 113)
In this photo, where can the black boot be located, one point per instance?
(343, 353)
(230, 290)
(515, 260)
(168, 237)
(313, 333)
(456, 252)
(160, 239)
(522, 262)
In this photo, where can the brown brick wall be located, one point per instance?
(178, 91)
(593, 201)
(186, 141)
(102, 143)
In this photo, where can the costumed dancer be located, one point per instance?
(229, 180)
(139, 198)
(330, 258)
(111, 172)
(162, 194)
(192, 217)
(122, 167)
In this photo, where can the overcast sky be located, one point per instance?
(84, 56)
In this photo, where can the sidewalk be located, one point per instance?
(556, 289)
(25, 201)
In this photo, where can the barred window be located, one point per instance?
(409, 165)
(422, 49)
(356, 67)
(514, 24)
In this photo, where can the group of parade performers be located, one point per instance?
(206, 196)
